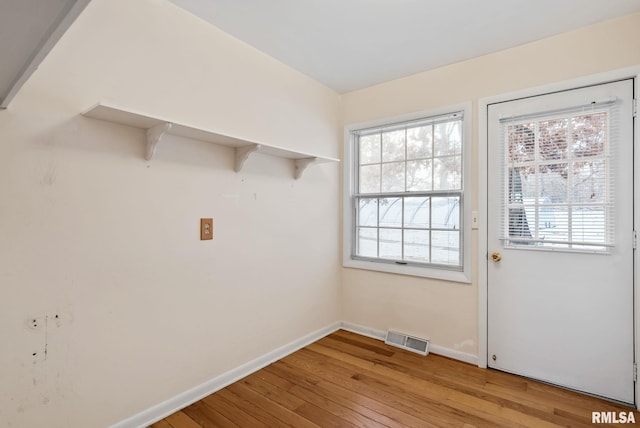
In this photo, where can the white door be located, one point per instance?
(560, 239)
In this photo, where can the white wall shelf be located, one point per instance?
(156, 128)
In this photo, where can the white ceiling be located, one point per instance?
(352, 44)
(28, 31)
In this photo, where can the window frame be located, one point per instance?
(442, 272)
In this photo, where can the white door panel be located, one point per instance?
(554, 313)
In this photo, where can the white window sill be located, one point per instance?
(424, 272)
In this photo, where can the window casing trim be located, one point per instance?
(434, 270)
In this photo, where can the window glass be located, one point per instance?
(409, 193)
(557, 180)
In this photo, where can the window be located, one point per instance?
(404, 209)
(558, 181)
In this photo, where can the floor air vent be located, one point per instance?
(410, 343)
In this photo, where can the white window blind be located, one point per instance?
(557, 179)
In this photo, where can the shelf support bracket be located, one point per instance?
(154, 135)
(243, 153)
(302, 164)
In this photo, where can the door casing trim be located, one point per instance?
(483, 104)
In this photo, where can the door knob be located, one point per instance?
(496, 257)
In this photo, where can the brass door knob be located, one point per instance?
(496, 257)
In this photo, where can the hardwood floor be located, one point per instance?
(347, 380)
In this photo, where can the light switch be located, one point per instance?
(206, 228)
(474, 220)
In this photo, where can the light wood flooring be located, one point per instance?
(347, 380)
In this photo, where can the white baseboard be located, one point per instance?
(180, 401)
(454, 354)
(435, 349)
(363, 331)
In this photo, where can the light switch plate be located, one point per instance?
(206, 229)
(474, 220)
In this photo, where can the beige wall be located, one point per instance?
(443, 311)
(92, 232)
